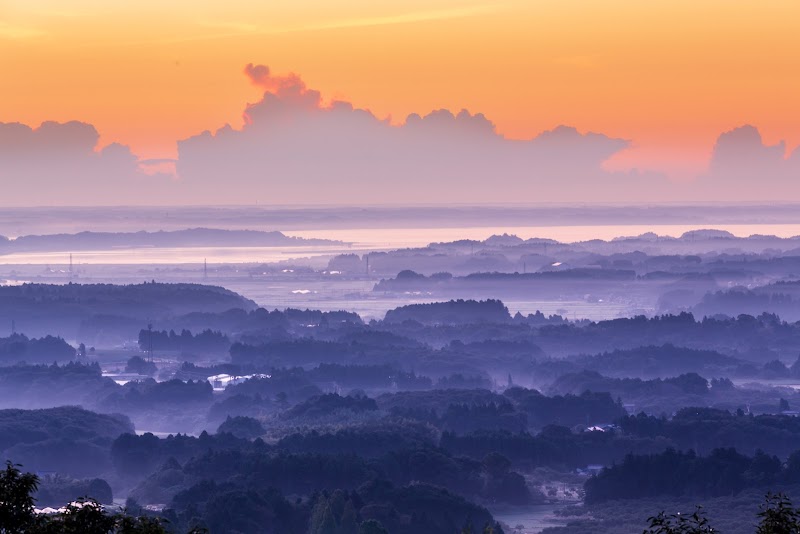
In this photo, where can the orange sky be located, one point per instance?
(669, 75)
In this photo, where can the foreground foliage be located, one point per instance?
(777, 516)
(85, 516)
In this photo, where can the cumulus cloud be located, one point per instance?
(743, 167)
(293, 148)
(60, 164)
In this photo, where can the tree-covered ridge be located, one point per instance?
(575, 280)
(403, 490)
(452, 312)
(509, 412)
(675, 473)
(19, 348)
(329, 403)
(169, 294)
(67, 440)
(207, 341)
(107, 313)
(46, 386)
(27, 426)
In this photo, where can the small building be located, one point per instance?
(220, 382)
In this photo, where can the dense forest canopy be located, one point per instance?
(189, 400)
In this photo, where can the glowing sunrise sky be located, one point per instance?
(670, 76)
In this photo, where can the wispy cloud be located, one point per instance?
(405, 18)
(231, 26)
(236, 29)
(11, 31)
(239, 28)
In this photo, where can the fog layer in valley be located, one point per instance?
(514, 382)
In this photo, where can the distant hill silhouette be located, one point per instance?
(193, 237)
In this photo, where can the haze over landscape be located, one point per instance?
(410, 267)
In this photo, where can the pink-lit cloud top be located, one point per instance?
(296, 149)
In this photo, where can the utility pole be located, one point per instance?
(205, 269)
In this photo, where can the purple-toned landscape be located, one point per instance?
(445, 267)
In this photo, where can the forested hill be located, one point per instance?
(44, 309)
(452, 312)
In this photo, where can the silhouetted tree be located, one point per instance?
(778, 516)
(16, 500)
(695, 523)
(84, 516)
